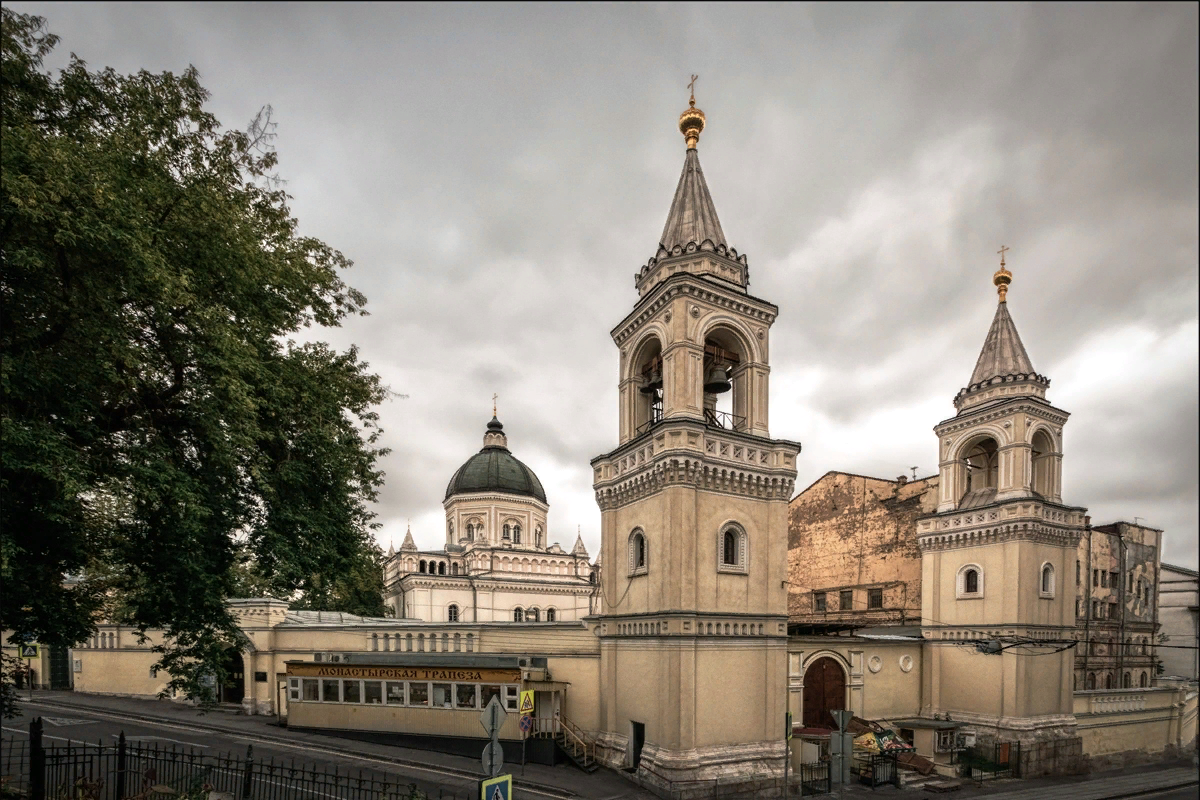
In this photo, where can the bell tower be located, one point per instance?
(998, 556)
(694, 513)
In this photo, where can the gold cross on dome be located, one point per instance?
(495, 397)
(1003, 249)
(692, 89)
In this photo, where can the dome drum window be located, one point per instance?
(969, 584)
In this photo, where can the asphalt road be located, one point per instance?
(84, 726)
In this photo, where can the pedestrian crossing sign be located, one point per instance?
(527, 702)
(29, 651)
(497, 788)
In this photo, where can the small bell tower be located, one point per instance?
(998, 555)
(694, 512)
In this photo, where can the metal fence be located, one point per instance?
(132, 769)
(987, 761)
(881, 769)
(815, 777)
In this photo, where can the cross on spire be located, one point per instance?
(692, 89)
(1003, 249)
(495, 397)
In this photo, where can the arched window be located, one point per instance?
(452, 613)
(537, 536)
(408, 642)
(422, 565)
(470, 643)
(518, 615)
(458, 642)
(982, 463)
(374, 641)
(648, 372)
(442, 568)
(445, 642)
(387, 642)
(531, 615)
(420, 643)
(470, 532)
(551, 615)
(507, 532)
(1091, 681)
(1043, 464)
(1144, 681)
(1127, 681)
(454, 569)
(725, 379)
(731, 547)
(450, 528)
(970, 581)
(1108, 681)
(637, 552)
(1047, 587)
(516, 534)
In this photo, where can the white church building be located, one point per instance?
(496, 564)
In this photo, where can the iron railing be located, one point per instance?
(880, 769)
(815, 777)
(723, 419)
(133, 769)
(988, 761)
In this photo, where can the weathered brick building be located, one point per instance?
(853, 560)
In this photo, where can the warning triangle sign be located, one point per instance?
(497, 794)
(527, 702)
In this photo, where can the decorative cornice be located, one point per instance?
(726, 264)
(696, 287)
(697, 472)
(1022, 405)
(1018, 520)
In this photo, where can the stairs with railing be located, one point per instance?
(570, 739)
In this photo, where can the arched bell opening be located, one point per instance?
(726, 381)
(979, 468)
(1043, 465)
(648, 403)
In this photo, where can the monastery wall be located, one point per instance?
(1124, 727)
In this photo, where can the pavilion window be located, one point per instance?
(516, 534)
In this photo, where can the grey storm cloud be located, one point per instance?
(498, 173)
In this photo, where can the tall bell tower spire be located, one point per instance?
(693, 507)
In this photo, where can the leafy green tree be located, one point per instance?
(162, 426)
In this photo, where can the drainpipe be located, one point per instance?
(1121, 595)
(1087, 601)
(474, 599)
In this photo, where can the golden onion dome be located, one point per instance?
(1002, 278)
(691, 122)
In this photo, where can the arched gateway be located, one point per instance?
(824, 691)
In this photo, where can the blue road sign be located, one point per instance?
(497, 788)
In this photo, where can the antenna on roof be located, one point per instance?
(914, 469)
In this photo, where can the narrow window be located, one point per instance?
(1077, 568)
(971, 582)
(516, 534)
(730, 556)
(1143, 681)
(442, 568)
(518, 615)
(507, 534)
(1095, 577)
(819, 602)
(531, 615)
(422, 566)
(874, 598)
(1091, 681)
(551, 615)
(452, 613)
(1047, 579)
(846, 600)
(454, 569)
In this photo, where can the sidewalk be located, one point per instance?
(564, 778)
(606, 784)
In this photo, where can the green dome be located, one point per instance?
(495, 469)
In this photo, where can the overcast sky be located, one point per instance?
(498, 174)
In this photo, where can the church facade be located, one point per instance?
(496, 564)
(679, 660)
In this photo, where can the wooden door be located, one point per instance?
(824, 691)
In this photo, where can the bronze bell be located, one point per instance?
(653, 383)
(718, 380)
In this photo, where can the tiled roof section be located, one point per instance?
(693, 217)
(298, 617)
(1002, 354)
